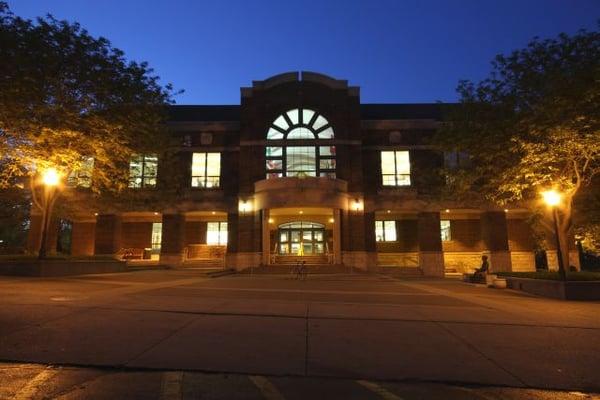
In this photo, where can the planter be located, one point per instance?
(569, 290)
(489, 279)
(500, 283)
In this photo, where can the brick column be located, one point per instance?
(244, 241)
(337, 236)
(82, 238)
(358, 241)
(266, 238)
(494, 233)
(107, 240)
(172, 246)
(431, 256)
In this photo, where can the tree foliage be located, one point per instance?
(66, 95)
(534, 123)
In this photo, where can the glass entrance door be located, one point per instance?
(301, 238)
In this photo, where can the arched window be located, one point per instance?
(304, 147)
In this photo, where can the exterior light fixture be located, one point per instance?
(95, 214)
(357, 205)
(155, 213)
(447, 210)
(271, 220)
(213, 213)
(389, 211)
(244, 206)
(300, 212)
(506, 210)
(331, 220)
(552, 198)
(50, 177)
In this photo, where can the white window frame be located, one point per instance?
(203, 179)
(400, 178)
(381, 227)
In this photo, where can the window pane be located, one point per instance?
(319, 122)
(445, 230)
(274, 165)
(327, 150)
(388, 163)
(301, 160)
(223, 233)
(212, 233)
(379, 231)
(327, 164)
(280, 122)
(403, 180)
(274, 134)
(402, 162)
(326, 134)
(300, 133)
(274, 175)
(293, 116)
(213, 165)
(389, 231)
(274, 151)
(198, 164)
(156, 235)
(149, 182)
(330, 175)
(307, 116)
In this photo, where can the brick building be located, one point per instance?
(302, 169)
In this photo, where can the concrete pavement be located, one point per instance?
(332, 327)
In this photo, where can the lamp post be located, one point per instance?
(50, 180)
(552, 199)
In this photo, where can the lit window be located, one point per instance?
(300, 124)
(82, 177)
(456, 159)
(445, 230)
(156, 235)
(385, 231)
(216, 233)
(395, 168)
(142, 171)
(206, 170)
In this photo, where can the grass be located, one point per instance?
(553, 275)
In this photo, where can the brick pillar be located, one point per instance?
(34, 236)
(244, 244)
(494, 233)
(82, 238)
(266, 238)
(172, 247)
(337, 236)
(107, 240)
(431, 256)
(358, 241)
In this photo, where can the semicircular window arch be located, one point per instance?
(315, 157)
(300, 123)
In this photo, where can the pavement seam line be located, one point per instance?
(171, 386)
(378, 390)
(481, 353)
(306, 340)
(268, 390)
(33, 386)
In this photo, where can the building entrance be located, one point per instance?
(300, 238)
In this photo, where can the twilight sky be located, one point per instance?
(397, 51)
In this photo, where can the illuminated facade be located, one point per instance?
(302, 170)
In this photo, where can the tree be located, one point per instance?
(533, 124)
(66, 96)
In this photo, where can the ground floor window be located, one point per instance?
(385, 231)
(445, 230)
(301, 238)
(216, 233)
(156, 235)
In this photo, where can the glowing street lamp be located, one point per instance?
(553, 198)
(50, 179)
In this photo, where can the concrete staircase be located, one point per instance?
(314, 269)
(400, 271)
(317, 259)
(204, 263)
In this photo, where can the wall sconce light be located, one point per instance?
(271, 220)
(331, 220)
(357, 205)
(447, 210)
(244, 206)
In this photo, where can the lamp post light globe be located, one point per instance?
(551, 197)
(50, 177)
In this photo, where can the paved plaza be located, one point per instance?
(181, 334)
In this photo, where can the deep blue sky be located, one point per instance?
(396, 51)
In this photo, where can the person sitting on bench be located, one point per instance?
(485, 266)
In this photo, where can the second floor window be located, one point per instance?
(82, 177)
(395, 168)
(143, 170)
(301, 146)
(206, 170)
(385, 231)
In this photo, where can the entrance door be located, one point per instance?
(301, 238)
